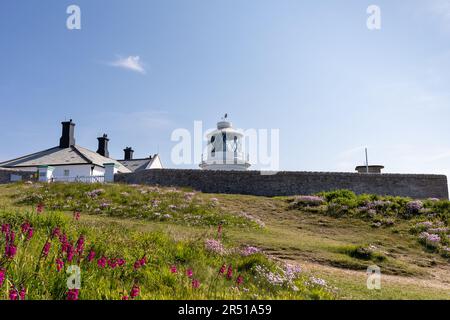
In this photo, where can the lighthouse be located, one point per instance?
(224, 149)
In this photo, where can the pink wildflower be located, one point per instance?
(2, 276)
(76, 215)
(13, 295)
(239, 280)
(22, 293)
(173, 269)
(125, 298)
(80, 245)
(40, 208)
(230, 272)
(72, 294)
(29, 234)
(46, 249)
(91, 255)
(195, 283)
(10, 251)
(59, 264)
(24, 227)
(56, 232)
(5, 228)
(189, 273)
(101, 262)
(222, 269)
(135, 291)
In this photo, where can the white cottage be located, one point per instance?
(71, 162)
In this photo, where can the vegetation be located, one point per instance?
(217, 246)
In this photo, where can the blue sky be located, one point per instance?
(311, 69)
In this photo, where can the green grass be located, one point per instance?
(336, 248)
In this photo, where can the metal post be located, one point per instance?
(367, 162)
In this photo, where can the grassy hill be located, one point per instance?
(142, 242)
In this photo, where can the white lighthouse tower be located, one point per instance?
(225, 149)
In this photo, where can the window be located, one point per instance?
(66, 173)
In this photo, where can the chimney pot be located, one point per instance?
(128, 153)
(103, 145)
(68, 134)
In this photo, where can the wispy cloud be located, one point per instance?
(132, 63)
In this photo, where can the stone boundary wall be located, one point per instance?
(292, 183)
(5, 175)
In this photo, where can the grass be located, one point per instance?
(336, 248)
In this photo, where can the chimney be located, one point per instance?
(103, 145)
(128, 153)
(68, 134)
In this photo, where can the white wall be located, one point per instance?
(74, 171)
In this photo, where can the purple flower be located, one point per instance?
(214, 246)
(414, 207)
(248, 251)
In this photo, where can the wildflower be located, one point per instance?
(10, 237)
(308, 201)
(91, 255)
(13, 295)
(239, 280)
(414, 207)
(248, 251)
(140, 263)
(229, 272)
(6, 228)
(195, 283)
(22, 293)
(72, 294)
(40, 208)
(29, 234)
(25, 227)
(80, 245)
(56, 232)
(219, 231)
(222, 269)
(101, 262)
(318, 281)
(120, 262)
(173, 269)
(135, 291)
(10, 251)
(125, 298)
(214, 246)
(112, 263)
(59, 264)
(70, 253)
(2, 276)
(189, 273)
(46, 249)
(76, 215)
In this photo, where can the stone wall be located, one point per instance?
(5, 175)
(293, 183)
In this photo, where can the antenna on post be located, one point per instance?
(367, 162)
